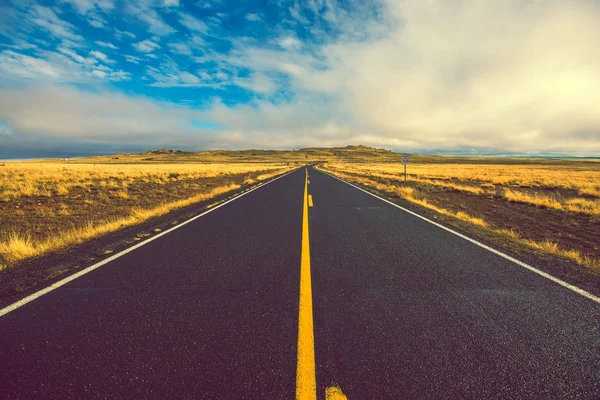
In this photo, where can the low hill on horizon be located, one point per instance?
(350, 153)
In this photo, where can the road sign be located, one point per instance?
(404, 162)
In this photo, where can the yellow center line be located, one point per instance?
(306, 383)
(334, 393)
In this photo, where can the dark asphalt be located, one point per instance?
(402, 309)
(208, 311)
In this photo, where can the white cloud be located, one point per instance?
(46, 18)
(192, 23)
(144, 11)
(196, 42)
(188, 78)
(24, 66)
(156, 25)
(62, 66)
(99, 55)
(433, 75)
(86, 6)
(513, 75)
(67, 113)
(289, 43)
(119, 35)
(295, 11)
(80, 59)
(132, 59)
(20, 44)
(106, 44)
(299, 67)
(215, 20)
(146, 46)
(102, 57)
(465, 79)
(92, 10)
(170, 3)
(257, 83)
(118, 76)
(170, 74)
(99, 74)
(173, 78)
(180, 48)
(253, 17)
(97, 22)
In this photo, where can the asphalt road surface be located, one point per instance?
(297, 287)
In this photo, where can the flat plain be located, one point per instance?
(48, 206)
(542, 207)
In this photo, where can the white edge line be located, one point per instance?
(497, 252)
(70, 278)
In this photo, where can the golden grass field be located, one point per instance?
(550, 208)
(46, 206)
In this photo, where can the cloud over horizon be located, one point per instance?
(508, 76)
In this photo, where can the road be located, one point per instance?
(301, 285)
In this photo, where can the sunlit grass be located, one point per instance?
(91, 191)
(122, 193)
(590, 190)
(49, 179)
(517, 183)
(19, 247)
(535, 199)
(583, 205)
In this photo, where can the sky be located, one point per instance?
(81, 77)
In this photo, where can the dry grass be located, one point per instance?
(57, 179)
(552, 247)
(590, 190)
(519, 183)
(573, 204)
(413, 195)
(45, 207)
(583, 205)
(19, 247)
(416, 197)
(567, 176)
(554, 188)
(122, 193)
(535, 199)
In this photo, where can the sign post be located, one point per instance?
(404, 162)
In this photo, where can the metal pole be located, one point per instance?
(405, 174)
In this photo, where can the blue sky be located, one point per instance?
(99, 76)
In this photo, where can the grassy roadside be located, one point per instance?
(48, 207)
(471, 199)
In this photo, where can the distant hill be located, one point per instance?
(308, 155)
(312, 155)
